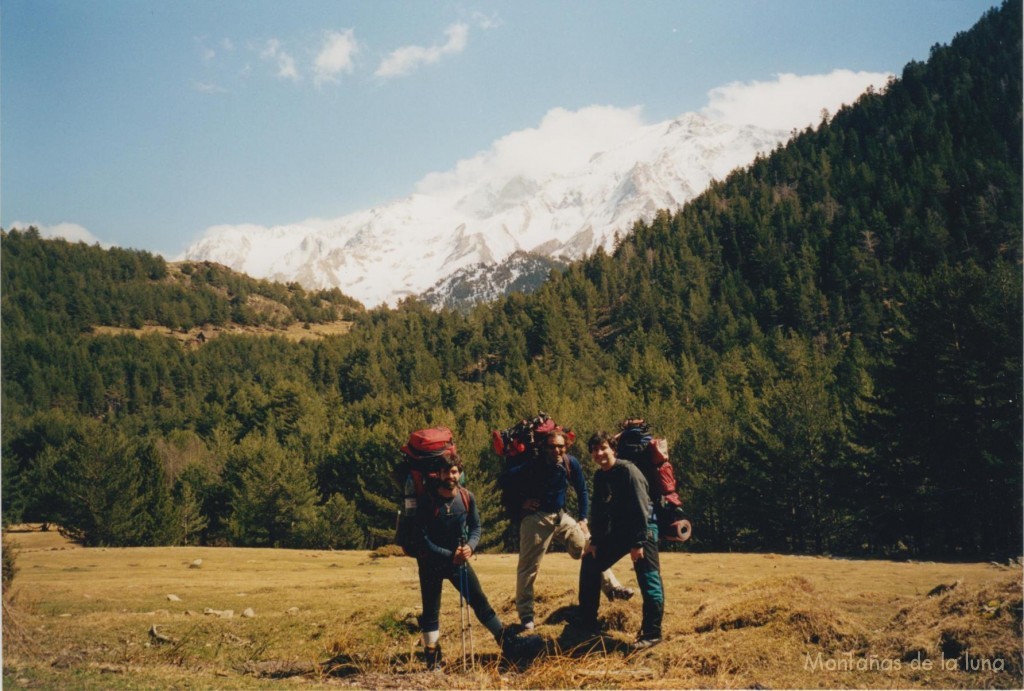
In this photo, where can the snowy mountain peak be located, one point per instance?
(475, 218)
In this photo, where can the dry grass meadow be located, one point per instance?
(159, 618)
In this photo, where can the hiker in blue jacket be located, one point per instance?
(622, 522)
(450, 525)
(543, 518)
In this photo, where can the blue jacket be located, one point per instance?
(445, 522)
(547, 481)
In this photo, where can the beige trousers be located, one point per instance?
(536, 531)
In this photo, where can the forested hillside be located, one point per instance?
(830, 339)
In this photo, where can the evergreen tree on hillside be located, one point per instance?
(830, 339)
(107, 490)
(273, 498)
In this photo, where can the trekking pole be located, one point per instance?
(468, 619)
(463, 605)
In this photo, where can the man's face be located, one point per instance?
(554, 447)
(603, 455)
(450, 476)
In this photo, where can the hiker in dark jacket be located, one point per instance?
(450, 525)
(621, 522)
(545, 481)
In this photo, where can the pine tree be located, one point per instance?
(109, 490)
(273, 503)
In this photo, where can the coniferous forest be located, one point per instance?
(830, 339)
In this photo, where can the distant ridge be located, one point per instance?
(442, 241)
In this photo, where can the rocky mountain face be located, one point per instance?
(456, 242)
(520, 271)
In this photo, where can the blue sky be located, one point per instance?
(141, 123)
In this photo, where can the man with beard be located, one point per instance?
(450, 525)
(546, 480)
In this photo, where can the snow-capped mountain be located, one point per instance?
(520, 271)
(468, 223)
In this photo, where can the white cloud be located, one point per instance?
(210, 53)
(285, 63)
(486, 22)
(791, 101)
(72, 232)
(286, 67)
(563, 142)
(270, 49)
(336, 56)
(207, 53)
(406, 59)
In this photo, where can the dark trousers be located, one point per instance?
(648, 577)
(432, 575)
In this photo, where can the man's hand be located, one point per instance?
(531, 504)
(636, 554)
(462, 554)
(584, 527)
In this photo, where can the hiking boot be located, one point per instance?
(620, 593)
(643, 642)
(519, 648)
(432, 656)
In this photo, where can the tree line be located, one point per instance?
(829, 338)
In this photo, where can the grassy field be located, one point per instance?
(231, 618)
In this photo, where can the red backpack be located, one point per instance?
(518, 444)
(422, 453)
(415, 474)
(636, 444)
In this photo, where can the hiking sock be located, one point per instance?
(430, 638)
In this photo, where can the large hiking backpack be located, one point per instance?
(417, 473)
(518, 444)
(636, 444)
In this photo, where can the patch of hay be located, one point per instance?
(385, 551)
(789, 604)
(711, 663)
(14, 635)
(621, 617)
(581, 669)
(979, 626)
(18, 641)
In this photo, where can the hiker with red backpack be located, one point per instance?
(622, 522)
(636, 443)
(544, 481)
(447, 526)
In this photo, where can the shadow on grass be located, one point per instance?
(340, 666)
(576, 642)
